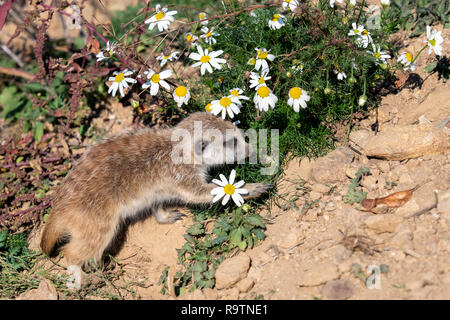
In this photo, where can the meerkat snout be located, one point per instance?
(135, 172)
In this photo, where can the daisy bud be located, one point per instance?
(245, 207)
(362, 100)
(327, 90)
(383, 66)
(134, 103)
(352, 80)
(288, 74)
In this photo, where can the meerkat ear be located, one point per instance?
(200, 145)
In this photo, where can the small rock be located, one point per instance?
(210, 294)
(331, 168)
(321, 188)
(231, 294)
(384, 166)
(402, 142)
(318, 275)
(414, 285)
(369, 182)
(45, 291)
(444, 203)
(313, 195)
(231, 271)
(383, 223)
(340, 289)
(245, 285)
(330, 206)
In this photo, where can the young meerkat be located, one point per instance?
(132, 172)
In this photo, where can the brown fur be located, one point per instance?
(117, 178)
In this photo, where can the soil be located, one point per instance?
(318, 246)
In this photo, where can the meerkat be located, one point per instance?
(132, 172)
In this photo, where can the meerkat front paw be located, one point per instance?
(256, 190)
(167, 217)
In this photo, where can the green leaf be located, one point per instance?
(38, 131)
(259, 233)
(255, 220)
(235, 237)
(430, 67)
(196, 229)
(243, 245)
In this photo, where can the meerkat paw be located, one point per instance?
(74, 280)
(167, 216)
(256, 190)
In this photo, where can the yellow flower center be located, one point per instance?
(295, 93)
(252, 61)
(159, 15)
(156, 78)
(205, 59)
(119, 77)
(234, 93)
(166, 57)
(262, 54)
(189, 37)
(229, 189)
(275, 17)
(209, 34)
(377, 55)
(225, 102)
(365, 33)
(355, 31)
(344, 20)
(409, 56)
(261, 80)
(209, 107)
(432, 42)
(111, 53)
(263, 92)
(181, 91)
(201, 15)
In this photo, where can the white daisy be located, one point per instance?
(206, 60)
(380, 56)
(156, 80)
(228, 189)
(277, 21)
(332, 2)
(434, 40)
(364, 39)
(237, 92)
(226, 105)
(191, 39)
(161, 18)
(352, 3)
(208, 107)
(292, 4)
(257, 80)
(202, 16)
(110, 49)
(406, 59)
(120, 81)
(261, 56)
(298, 97)
(264, 98)
(297, 67)
(340, 74)
(181, 95)
(208, 35)
(356, 31)
(163, 58)
(385, 2)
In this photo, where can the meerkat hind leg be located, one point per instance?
(165, 216)
(74, 280)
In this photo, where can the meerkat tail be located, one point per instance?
(50, 237)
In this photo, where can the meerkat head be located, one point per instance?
(213, 141)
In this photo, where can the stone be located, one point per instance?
(318, 274)
(301, 169)
(402, 142)
(321, 188)
(383, 222)
(45, 291)
(331, 168)
(444, 203)
(369, 182)
(231, 294)
(313, 195)
(340, 289)
(210, 294)
(231, 271)
(245, 285)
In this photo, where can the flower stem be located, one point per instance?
(415, 58)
